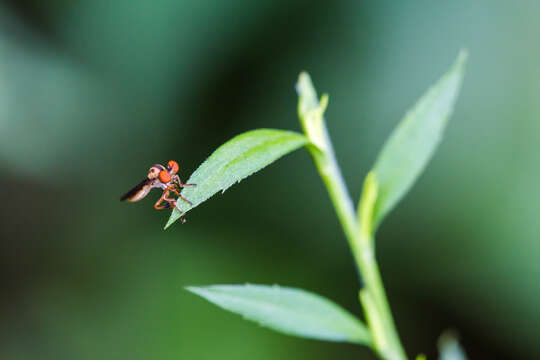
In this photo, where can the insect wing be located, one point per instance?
(138, 192)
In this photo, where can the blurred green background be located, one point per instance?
(92, 93)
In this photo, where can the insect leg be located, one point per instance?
(171, 201)
(177, 179)
(164, 197)
(158, 205)
(186, 200)
(174, 188)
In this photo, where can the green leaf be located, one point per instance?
(413, 142)
(288, 310)
(311, 113)
(235, 160)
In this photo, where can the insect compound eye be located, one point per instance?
(153, 172)
(172, 166)
(164, 177)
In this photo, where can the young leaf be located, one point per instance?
(311, 112)
(367, 203)
(288, 310)
(235, 160)
(413, 142)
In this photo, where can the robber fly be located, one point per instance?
(163, 178)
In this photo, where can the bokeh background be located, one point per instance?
(94, 92)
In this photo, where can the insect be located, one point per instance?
(163, 178)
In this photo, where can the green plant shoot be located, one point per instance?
(401, 161)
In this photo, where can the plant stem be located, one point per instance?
(372, 296)
(386, 341)
(376, 308)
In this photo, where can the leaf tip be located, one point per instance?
(449, 346)
(461, 61)
(306, 93)
(323, 103)
(463, 55)
(303, 79)
(171, 220)
(175, 215)
(195, 290)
